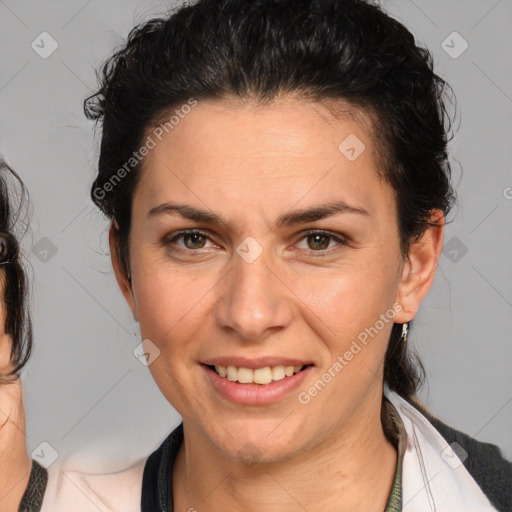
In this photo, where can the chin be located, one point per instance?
(257, 445)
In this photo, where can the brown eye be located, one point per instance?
(192, 241)
(319, 241)
(197, 240)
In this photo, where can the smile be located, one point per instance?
(256, 386)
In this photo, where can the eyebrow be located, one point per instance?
(303, 216)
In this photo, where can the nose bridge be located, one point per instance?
(254, 300)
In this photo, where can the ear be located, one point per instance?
(119, 271)
(420, 268)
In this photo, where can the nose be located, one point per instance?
(254, 299)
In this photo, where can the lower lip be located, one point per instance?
(256, 394)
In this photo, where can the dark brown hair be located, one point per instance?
(322, 50)
(14, 202)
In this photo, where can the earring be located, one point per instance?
(405, 332)
(136, 332)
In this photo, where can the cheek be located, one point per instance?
(345, 312)
(349, 299)
(171, 306)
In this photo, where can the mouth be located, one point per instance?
(263, 376)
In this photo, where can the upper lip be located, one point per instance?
(253, 363)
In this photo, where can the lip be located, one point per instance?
(255, 394)
(253, 364)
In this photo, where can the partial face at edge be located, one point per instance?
(5, 339)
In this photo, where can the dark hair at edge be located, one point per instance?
(14, 200)
(318, 50)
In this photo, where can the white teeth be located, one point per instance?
(245, 375)
(278, 373)
(263, 375)
(232, 373)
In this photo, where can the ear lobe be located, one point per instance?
(122, 279)
(419, 271)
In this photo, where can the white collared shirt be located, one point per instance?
(434, 478)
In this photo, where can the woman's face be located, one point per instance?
(257, 290)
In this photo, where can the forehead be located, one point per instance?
(264, 154)
(285, 127)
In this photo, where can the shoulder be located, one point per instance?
(109, 492)
(122, 491)
(484, 461)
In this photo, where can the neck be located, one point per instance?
(351, 469)
(15, 464)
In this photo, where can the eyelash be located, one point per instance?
(323, 252)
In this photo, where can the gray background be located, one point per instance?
(86, 394)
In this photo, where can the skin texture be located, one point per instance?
(15, 464)
(251, 164)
